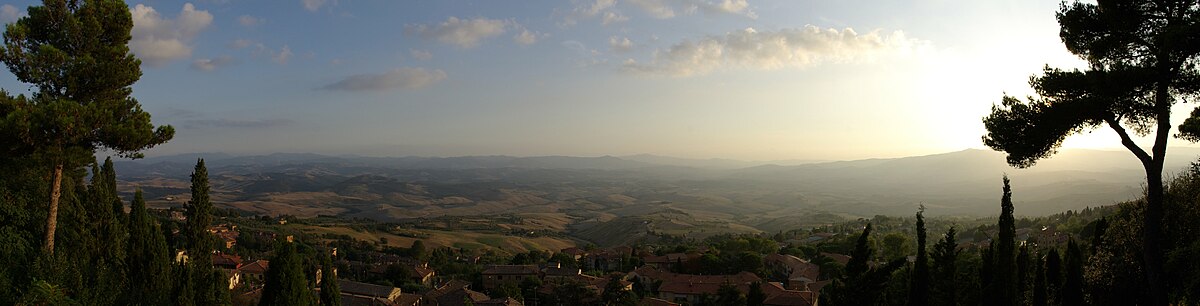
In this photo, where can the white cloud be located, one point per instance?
(736, 7)
(10, 14)
(282, 56)
(655, 8)
(313, 5)
(402, 78)
(588, 10)
(464, 33)
(611, 17)
(421, 54)
(620, 44)
(526, 37)
(769, 50)
(250, 21)
(157, 40)
(210, 64)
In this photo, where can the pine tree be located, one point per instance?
(286, 284)
(1072, 289)
(918, 293)
(148, 258)
(331, 295)
(861, 254)
(945, 257)
(76, 54)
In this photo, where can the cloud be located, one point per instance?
(250, 21)
(402, 78)
(237, 123)
(421, 54)
(10, 14)
(735, 7)
(282, 56)
(769, 50)
(210, 64)
(620, 44)
(590, 10)
(611, 17)
(526, 37)
(313, 5)
(464, 33)
(157, 40)
(655, 8)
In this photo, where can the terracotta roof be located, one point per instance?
(512, 270)
(573, 251)
(791, 298)
(352, 300)
(226, 260)
(649, 301)
(839, 258)
(257, 267)
(365, 289)
(446, 288)
(500, 302)
(560, 271)
(408, 299)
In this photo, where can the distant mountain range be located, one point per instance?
(746, 193)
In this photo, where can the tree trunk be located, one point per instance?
(1152, 251)
(52, 218)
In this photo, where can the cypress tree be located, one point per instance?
(861, 255)
(106, 238)
(1022, 274)
(198, 240)
(945, 257)
(330, 293)
(1039, 284)
(1072, 289)
(148, 258)
(918, 293)
(1003, 280)
(286, 284)
(1053, 277)
(756, 296)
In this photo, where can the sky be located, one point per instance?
(741, 79)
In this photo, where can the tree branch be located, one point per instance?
(1141, 154)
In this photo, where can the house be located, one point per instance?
(607, 259)
(494, 276)
(226, 261)
(839, 258)
(557, 273)
(575, 252)
(649, 301)
(255, 271)
(665, 262)
(454, 293)
(368, 291)
(418, 272)
(800, 273)
(228, 234)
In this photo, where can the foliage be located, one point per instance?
(286, 283)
